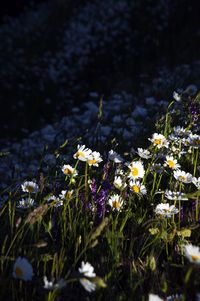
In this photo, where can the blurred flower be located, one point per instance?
(22, 269)
(192, 253)
(87, 284)
(182, 176)
(87, 269)
(115, 201)
(176, 297)
(136, 170)
(115, 157)
(144, 153)
(30, 187)
(196, 182)
(50, 285)
(175, 195)
(25, 203)
(166, 210)
(83, 153)
(176, 96)
(156, 167)
(159, 140)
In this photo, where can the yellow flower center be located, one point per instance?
(195, 257)
(171, 164)
(29, 188)
(157, 141)
(115, 204)
(182, 178)
(134, 171)
(91, 162)
(68, 171)
(136, 188)
(19, 272)
(80, 154)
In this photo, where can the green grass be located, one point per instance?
(134, 251)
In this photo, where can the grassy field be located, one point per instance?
(109, 225)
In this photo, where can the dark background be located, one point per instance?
(177, 43)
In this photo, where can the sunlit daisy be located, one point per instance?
(95, 159)
(113, 156)
(159, 140)
(182, 176)
(25, 203)
(22, 269)
(166, 210)
(144, 153)
(83, 153)
(175, 195)
(69, 170)
(87, 269)
(137, 187)
(192, 253)
(136, 170)
(119, 183)
(88, 285)
(171, 163)
(30, 187)
(116, 202)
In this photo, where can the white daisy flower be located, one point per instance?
(30, 187)
(25, 203)
(115, 157)
(171, 163)
(50, 285)
(95, 159)
(175, 195)
(137, 187)
(87, 269)
(144, 153)
(83, 153)
(192, 253)
(182, 176)
(166, 210)
(196, 182)
(119, 183)
(69, 170)
(136, 170)
(159, 140)
(22, 269)
(87, 284)
(116, 202)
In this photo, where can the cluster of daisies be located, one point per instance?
(164, 156)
